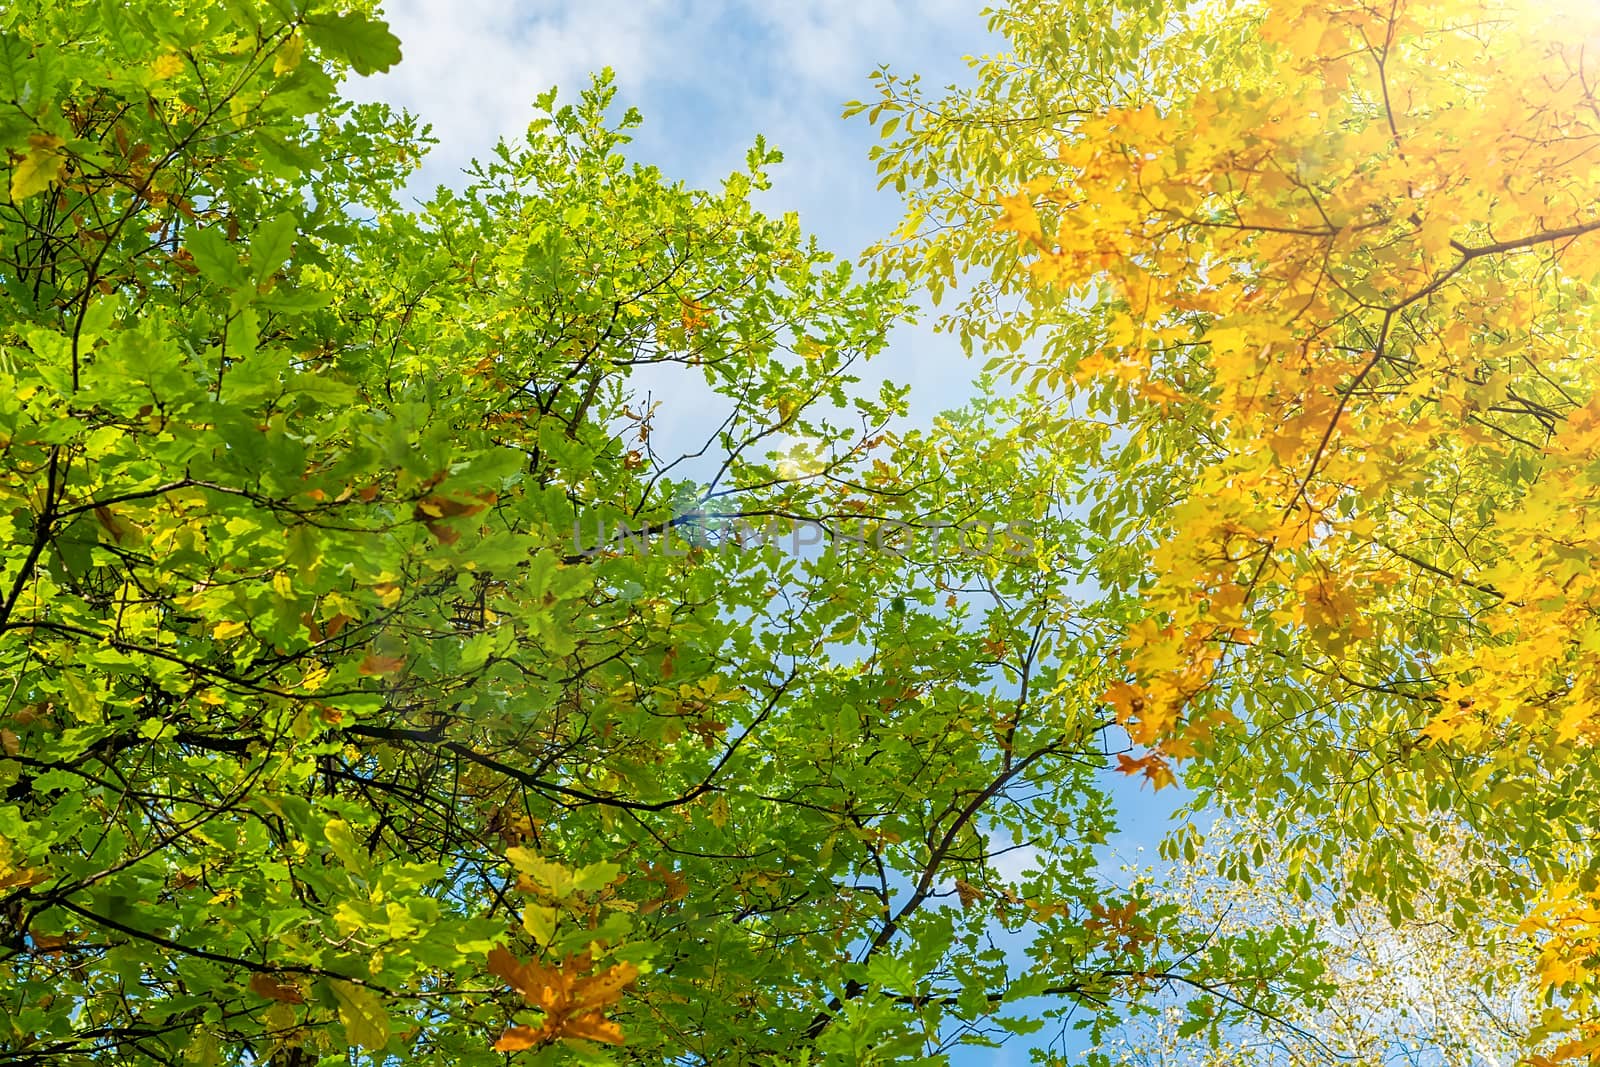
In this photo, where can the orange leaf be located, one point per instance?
(693, 315)
(572, 1008)
(600, 990)
(1127, 700)
(1152, 766)
(541, 986)
(522, 1037)
(592, 1026)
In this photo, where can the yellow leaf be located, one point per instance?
(540, 921)
(718, 813)
(224, 630)
(543, 876)
(1575, 720)
(40, 168)
(166, 67)
(282, 1018)
(26, 876)
(1442, 727)
(366, 1023)
(1019, 217)
(288, 57)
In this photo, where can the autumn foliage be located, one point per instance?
(330, 733)
(571, 1000)
(1352, 261)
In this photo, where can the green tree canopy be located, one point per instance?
(340, 727)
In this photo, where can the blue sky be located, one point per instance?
(709, 75)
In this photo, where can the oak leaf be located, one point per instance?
(573, 1006)
(263, 984)
(40, 168)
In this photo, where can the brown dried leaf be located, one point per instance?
(376, 664)
(265, 985)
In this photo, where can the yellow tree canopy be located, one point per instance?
(1337, 263)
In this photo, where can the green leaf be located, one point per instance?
(595, 876)
(217, 259)
(346, 845)
(271, 244)
(365, 43)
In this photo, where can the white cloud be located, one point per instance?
(830, 42)
(710, 74)
(472, 69)
(1012, 862)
